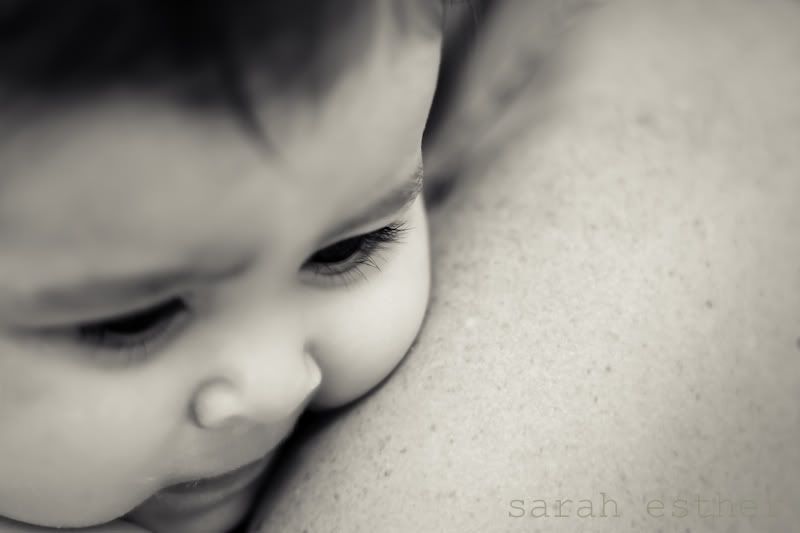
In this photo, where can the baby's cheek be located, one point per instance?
(365, 330)
(81, 441)
(77, 461)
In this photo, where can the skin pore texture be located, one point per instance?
(130, 210)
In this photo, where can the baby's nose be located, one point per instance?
(275, 398)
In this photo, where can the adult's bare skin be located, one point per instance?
(615, 306)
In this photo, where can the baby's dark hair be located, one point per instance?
(203, 49)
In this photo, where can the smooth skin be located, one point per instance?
(112, 189)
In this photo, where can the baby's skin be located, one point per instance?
(175, 292)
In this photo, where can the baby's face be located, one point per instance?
(173, 294)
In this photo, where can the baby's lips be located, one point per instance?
(220, 479)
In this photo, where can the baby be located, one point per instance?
(210, 220)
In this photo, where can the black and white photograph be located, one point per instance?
(400, 266)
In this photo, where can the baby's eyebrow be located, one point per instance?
(396, 200)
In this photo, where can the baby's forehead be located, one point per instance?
(130, 180)
(128, 163)
(372, 118)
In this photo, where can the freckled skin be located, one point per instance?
(125, 183)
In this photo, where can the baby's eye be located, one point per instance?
(344, 258)
(133, 332)
(338, 251)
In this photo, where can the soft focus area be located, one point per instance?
(616, 308)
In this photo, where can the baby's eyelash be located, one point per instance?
(373, 244)
(363, 250)
(132, 337)
(386, 235)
